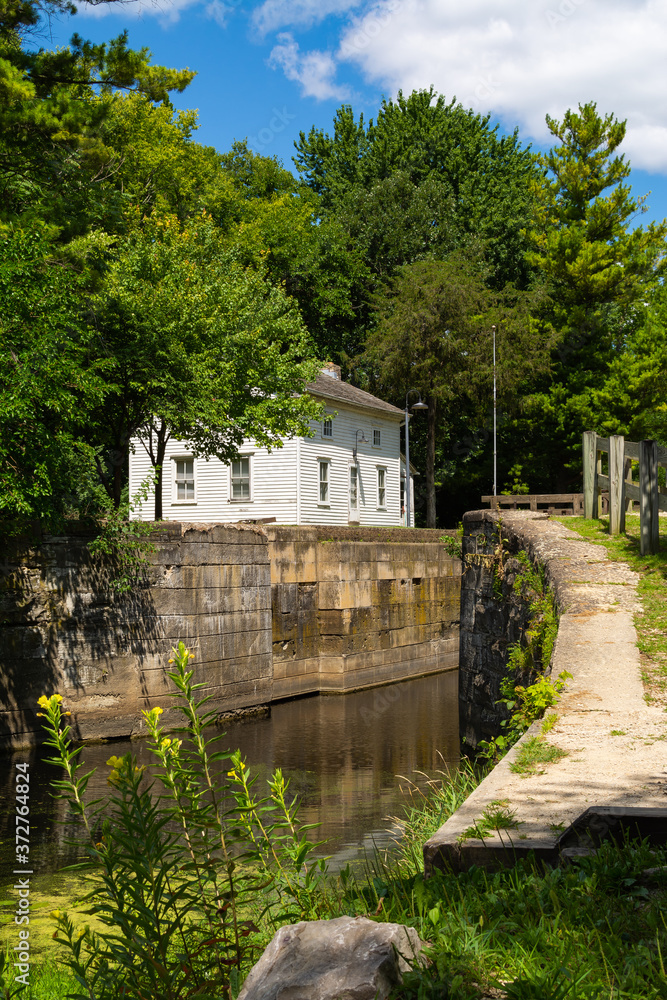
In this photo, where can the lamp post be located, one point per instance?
(357, 441)
(415, 406)
(495, 449)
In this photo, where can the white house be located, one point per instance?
(350, 472)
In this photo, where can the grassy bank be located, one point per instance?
(595, 929)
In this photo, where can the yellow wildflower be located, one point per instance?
(45, 702)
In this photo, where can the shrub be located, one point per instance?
(182, 869)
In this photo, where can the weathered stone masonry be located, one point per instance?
(494, 616)
(357, 607)
(272, 612)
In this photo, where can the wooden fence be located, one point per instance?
(550, 503)
(621, 486)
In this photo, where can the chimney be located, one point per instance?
(332, 370)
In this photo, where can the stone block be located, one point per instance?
(284, 626)
(207, 553)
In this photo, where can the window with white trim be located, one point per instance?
(382, 487)
(240, 479)
(324, 482)
(327, 427)
(377, 437)
(184, 480)
(354, 487)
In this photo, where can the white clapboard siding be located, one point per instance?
(276, 489)
(338, 450)
(272, 485)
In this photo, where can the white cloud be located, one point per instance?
(275, 14)
(315, 71)
(521, 60)
(218, 12)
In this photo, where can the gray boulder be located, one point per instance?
(349, 958)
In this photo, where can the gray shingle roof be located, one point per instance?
(333, 388)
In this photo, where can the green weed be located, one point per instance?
(187, 877)
(496, 817)
(533, 753)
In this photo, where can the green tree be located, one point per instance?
(434, 335)
(597, 269)
(199, 347)
(51, 381)
(278, 228)
(49, 114)
(484, 177)
(632, 399)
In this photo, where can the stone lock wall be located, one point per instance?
(62, 628)
(358, 607)
(494, 616)
(270, 612)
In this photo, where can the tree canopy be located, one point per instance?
(484, 177)
(151, 285)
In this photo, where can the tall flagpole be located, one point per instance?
(495, 448)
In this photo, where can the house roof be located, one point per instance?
(333, 388)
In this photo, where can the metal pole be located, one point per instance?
(407, 463)
(495, 448)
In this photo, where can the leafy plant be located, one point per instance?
(453, 545)
(515, 486)
(180, 878)
(496, 817)
(123, 543)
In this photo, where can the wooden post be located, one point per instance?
(590, 474)
(616, 485)
(648, 503)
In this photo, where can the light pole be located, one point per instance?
(415, 406)
(495, 449)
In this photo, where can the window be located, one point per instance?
(382, 491)
(377, 438)
(241, 479)
(354, 483)
(327, 428)
(185, 480)
(324, 482)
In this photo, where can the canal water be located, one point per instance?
(347, 758)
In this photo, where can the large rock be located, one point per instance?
(349, 958)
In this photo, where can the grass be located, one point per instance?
(594, 929)
(532, 754)
(48, 981)
(549, 722)
(496, 817)
(651, 622)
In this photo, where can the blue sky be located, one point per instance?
(267, 70)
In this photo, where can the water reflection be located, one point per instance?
(341, 753)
